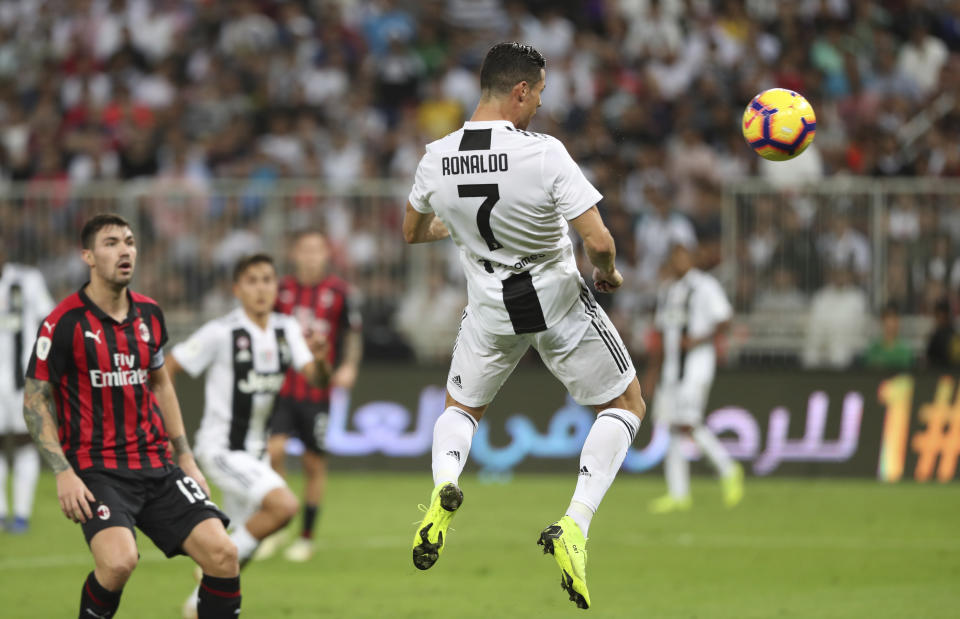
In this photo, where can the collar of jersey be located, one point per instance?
(102, 315)
(483, 124)
(247, 321)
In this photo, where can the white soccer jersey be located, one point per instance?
(506, 196)
(693, 305)
(245, 367)
(24, 303)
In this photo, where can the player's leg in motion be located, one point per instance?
(452, 436)
(731, 474)
(603, 452)
(278, 508)
(219, 594)
(676, 469)
(115, 556)
(313, 430)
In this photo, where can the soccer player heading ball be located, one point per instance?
(505, 195)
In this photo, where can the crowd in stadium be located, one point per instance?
(645, 94)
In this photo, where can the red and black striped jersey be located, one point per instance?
(324, 307)
(107, 415)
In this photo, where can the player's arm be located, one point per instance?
(600, 248)
(317, 371)
(689, 343)
(162, 387)
(422, 227)
(40, 414)
(345, 375)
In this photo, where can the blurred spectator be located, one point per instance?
(835, 329)
(782, 295)
(657, 230)
(437, 304)
(844, 246)
(943, 346)
(889, 351)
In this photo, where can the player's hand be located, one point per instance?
(607, 282)
(74, 496)
(319, 344)
(345, 376)
(189, 466)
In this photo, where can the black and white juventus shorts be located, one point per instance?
(583, 350)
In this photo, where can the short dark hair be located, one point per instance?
(245, 262)
(88, 233)
(508, 64)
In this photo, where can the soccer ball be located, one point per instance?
(779, 124)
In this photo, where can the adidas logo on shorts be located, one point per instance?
(584, 471)
(455, 454)
(456, 381)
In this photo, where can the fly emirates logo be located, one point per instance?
(120, 377)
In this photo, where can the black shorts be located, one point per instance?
(165, 505)
(305, 420)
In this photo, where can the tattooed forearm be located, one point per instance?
(39, 411)
(180, 446)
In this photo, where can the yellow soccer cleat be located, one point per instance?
(565, 541)
(431, 532)
(667, 504)
(732, 486)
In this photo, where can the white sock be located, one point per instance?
(713, 450)
(246, 543)
(452, 436)
(3, 484)
(603, 453)
(26, 469)
(677, 468)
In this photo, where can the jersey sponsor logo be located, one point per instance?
(118, 378)
(93, 336)
(144, 332)
(474, 164)
(43, 347)
(103, 512)
(518, 265)
(256, 382)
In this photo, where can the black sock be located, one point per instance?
(218, 598)
(310, 513)
(97, 600)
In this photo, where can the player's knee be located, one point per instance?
(118, 566)
(283, 504)
(224, 561)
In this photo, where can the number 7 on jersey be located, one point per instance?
(492, 193)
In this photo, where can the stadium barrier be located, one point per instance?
(836, 424)
(781, 243)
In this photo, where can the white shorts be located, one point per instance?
(681, 404)
(583, 350)
(243, 478)
(11, 414)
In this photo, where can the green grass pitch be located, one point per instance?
(794, 548)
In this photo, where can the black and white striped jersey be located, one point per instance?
(693, 305)
(506, 196)
(24, 303)
(245, 368)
